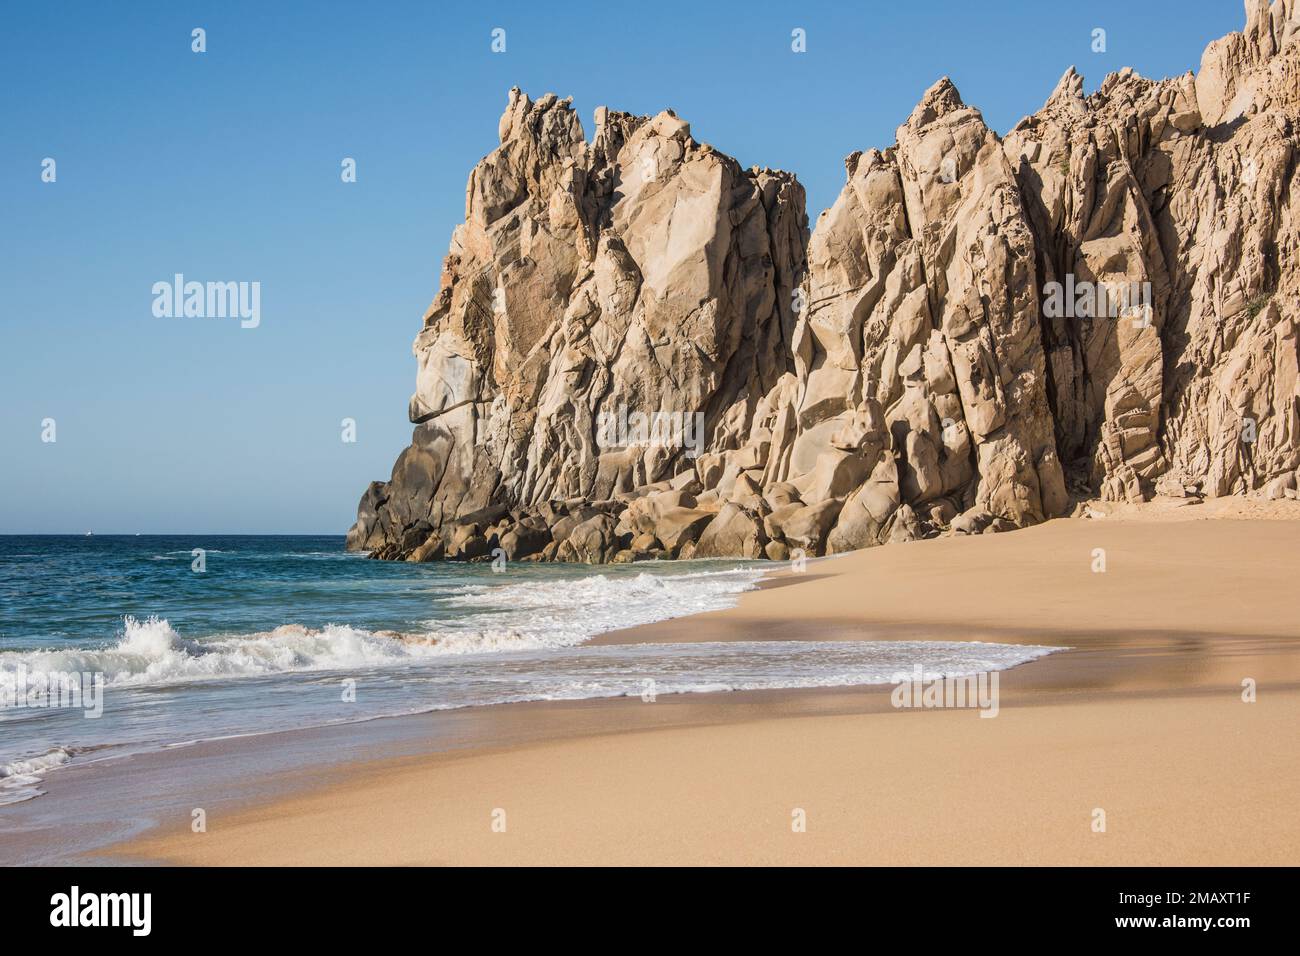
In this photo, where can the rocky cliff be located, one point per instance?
(638, 350)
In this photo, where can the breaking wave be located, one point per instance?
(531, 615)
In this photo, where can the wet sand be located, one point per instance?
(1141, 728)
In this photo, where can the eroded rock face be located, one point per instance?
(1184, 184)
(977, 331)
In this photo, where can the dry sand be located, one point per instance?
(1143, 719)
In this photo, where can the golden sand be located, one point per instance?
(1141, 725)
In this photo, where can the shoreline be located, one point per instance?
(714, 778)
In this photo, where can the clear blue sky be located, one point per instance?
(225, 166)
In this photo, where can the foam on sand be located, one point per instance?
(514, 641)
(19, 778)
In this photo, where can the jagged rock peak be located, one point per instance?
(939, 100)
(1068, 94)
(639, 351)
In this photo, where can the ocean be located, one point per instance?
(175, 639)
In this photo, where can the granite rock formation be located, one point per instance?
(638, 350)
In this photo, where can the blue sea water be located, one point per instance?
(172, 639)
(60, 591)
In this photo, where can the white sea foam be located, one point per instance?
(151, 652)
(501, 643)
(530, 615)
(430, 680)
(563, 613)
(19, 778)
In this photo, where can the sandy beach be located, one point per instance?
(1141, 723)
